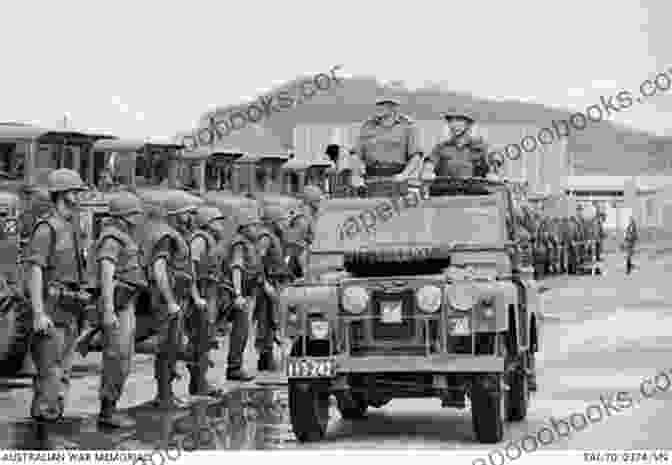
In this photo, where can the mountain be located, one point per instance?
(605, 148)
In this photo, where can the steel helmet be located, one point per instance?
(181, 203)
(63, 180)
(458, 115)
(125, 203)
(207, 214)
(311, 194)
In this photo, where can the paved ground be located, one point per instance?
(601, 335)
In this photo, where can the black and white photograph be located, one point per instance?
(378, 229)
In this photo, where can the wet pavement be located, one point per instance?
(251, 418)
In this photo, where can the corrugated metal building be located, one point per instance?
(545, 169)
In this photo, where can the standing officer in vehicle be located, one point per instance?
(171, 278)
(243, 271)
(209, 233)
(122, 279)
(388, 142)
(55, 273)
(462, 154)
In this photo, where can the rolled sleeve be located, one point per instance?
(162, 251)
(197, 247)
(412, 141)
(39, 246)
(109, 249)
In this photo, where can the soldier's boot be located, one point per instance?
(267, 362)
(165, 397)
(238, 374)
(109, 417)
(628, 266)
(198, 383)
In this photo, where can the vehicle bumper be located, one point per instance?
(445, 363)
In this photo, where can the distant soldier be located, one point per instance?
(631, 237)
(600, 219)
(55, 272)
(171, 278)
(243, 269)
(204, 242)
(122, 279)
(462, 154)
(388, 142)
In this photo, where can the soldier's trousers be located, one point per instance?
(266, 314)
(201, 332)
(170, 347)
(52, 355)
(240, 329)
(118, 351)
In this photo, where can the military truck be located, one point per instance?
(417, 292)
(27, 155)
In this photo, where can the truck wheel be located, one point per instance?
(308, 410)
(16, 323)
(488, 409)
(518, 396)
(352, 405)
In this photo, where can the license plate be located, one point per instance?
(310, 368)
(390, 312)
(459, 326)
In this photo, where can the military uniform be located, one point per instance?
(385, 150)
(302, 231)
(462, 156)
(55, 249)
(119, 244)
(163, 242)
(241, 260)
(631, 237)
(204, 253)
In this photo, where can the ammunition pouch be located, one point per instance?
(124, 293)
(65, 301)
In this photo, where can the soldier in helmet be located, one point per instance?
(388, 142)
(631, 237)
(242, 269)
(55, 271)
(171, 278)
(462, 154)
(210, 231)
(301, 229)
(270, 252)
(122, 279)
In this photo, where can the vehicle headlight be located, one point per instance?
(355, 299)
(461, 298)
(429, 298)
(319, 329)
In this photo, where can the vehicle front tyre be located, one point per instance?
(352, 405)
(308, 410)
(488, 409)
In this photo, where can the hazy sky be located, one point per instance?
(151, 68)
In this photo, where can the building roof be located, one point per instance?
(257, 141)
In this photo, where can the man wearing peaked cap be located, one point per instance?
(388, 141)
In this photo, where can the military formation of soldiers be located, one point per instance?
(177, 276)
(560, 244)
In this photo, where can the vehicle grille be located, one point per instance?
(393, 331)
